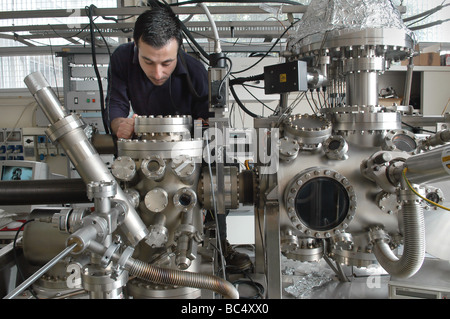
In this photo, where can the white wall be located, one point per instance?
(435, 91)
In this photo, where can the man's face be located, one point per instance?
(158, 64)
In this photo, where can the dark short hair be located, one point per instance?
(156, 27)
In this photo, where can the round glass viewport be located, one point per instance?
(404, 143)
(334, 145)
(153, 166)
(322, 203)
(185, 199)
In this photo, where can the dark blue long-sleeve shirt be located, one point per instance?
(129, 86)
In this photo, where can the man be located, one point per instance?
(157, 78)
(153, 74)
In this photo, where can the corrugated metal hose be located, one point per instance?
(414, 244)
(175, 277)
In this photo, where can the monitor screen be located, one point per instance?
(17, 173)
(18, 170)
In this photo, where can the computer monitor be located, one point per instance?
(12, 170)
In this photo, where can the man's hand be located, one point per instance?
(123, 127)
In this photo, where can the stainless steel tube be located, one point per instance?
(217, 47)
(68, 131)
(440, 138)
(408, 82)
(362, 88)
(430, 166)
(44, 95)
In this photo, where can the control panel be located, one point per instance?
(14, 145)
(11, 144)
(45, 148)
(83, 100)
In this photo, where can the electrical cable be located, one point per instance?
(108, 96)
(194, 93)
(429, 25)
(226, 75)
(425, 17)
(249, 92)
(327, 105)
(184, 29)
(106, 106)
(241, 81)
(418, 128)
(252, 78)
(310, 105)
(318, 99)
(70, 36)
(246, 164)
(189, 35)
(314, 101)
(90, 13)
(241, 105)
(118, 19)
(259, 288)
(103, 38)
(230, 116)
(268, 51)
(253, 86)
(297, 101)
(426, 13)
(217, 46)
(415, 192)
(195, 50)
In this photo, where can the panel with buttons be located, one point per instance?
(11, 144)
(84, 101)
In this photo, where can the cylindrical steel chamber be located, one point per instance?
(67, 130)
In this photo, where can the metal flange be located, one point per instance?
(308, 129)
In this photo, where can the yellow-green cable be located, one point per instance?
(415, 192)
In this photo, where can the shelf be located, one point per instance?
(421, 68)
